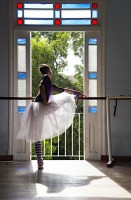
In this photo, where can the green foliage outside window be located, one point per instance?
(52, 48)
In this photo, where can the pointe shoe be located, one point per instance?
(41, 166)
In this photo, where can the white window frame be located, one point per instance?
(101, 92)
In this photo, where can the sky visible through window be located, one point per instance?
(72, 61)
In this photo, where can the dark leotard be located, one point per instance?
(49, 87)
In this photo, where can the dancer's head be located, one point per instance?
(45, 69)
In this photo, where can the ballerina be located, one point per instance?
(44, 118)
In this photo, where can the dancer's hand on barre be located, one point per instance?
(75, 92)
(83, 96)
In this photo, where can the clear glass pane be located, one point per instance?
(38, 5)
(21, 58)
(92, 58)
(38, 14)
(76, 14)
(19, 13)
(76, 22)
(38, 22)
(92, 92)
(77, 6)
(94, 14)
(57, 14)
(21, 92)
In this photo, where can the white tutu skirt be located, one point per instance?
(44, 122)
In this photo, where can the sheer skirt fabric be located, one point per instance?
(44, 122)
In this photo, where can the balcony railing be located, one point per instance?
(69, 145)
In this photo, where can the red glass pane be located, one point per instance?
(94, 22)
(57, 6)
(57, 22)
(19, 21)
(94, 5)
(19, 5)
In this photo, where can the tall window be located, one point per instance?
(21, 73)
(92, 73)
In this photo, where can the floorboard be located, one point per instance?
(65, 180)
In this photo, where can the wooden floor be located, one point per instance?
(65, 180)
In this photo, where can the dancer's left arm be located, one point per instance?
(75, 92)
(70, 91)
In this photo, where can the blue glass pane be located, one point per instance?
(57, 14)
(92, 75)
(92, 41)
(38, 22)
(76, 6)
(21, 109)
(21, 75)
(76, 22)
(38, 5)
(92, 109)
(21, 41)
(94, 14)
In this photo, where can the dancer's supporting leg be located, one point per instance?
(38, 149)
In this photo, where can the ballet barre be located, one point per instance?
(107, 99)
(32, 98)
(17, 98)
(122, 97)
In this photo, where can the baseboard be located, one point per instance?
(6, 157)
(117, 158)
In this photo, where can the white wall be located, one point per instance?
(118, 71)
(4, 87)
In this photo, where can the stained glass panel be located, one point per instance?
(94, 13)
(38, 22)
(19, 13)
(57, 22)
(94, 21)
(38, 14)
(76, 22)
(57, 6)
(20, 21)
(21, 92)
(92, 58)
(21, 109)
(92, 109)
(76, 14)
(57, 14)
(92, 41)
(92, 75)
(21, 58)
(21, 75)
(76, 6)
(21, 41)
(92, 92)
(41, 13)
(19, 5)
(94, 5)
(38, 5)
